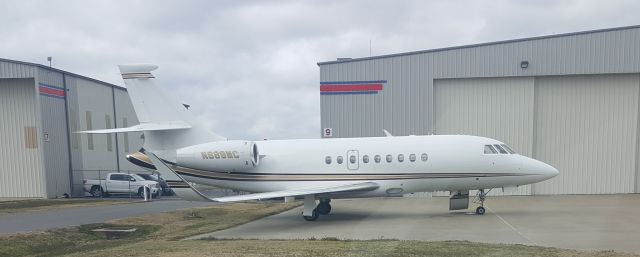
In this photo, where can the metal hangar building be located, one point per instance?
(40, 108)
(570, 100)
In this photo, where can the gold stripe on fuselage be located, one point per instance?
(217, 175)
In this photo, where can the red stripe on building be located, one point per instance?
(51, 91)
(352, 87)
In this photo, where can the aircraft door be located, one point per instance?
(353, 160)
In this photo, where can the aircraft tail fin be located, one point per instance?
(156, 109)
(167, 124)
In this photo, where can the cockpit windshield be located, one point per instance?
(498, 149)
(511, 151)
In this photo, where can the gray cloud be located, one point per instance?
(248, 68)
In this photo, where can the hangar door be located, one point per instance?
(500, 108)
(586, 127)
(21, 168)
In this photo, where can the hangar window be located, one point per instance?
(89, 127)
(424, 157)
(500, 149)
(400, 157)
(412, 157)
(352, 159)
(339, 159)
(511, 151)
(365, 158)
(125, 135)
(377, 158)
(327, 160)
(488, 149)
(107, 122)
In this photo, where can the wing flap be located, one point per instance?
(361, 186)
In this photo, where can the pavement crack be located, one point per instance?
(512, 227)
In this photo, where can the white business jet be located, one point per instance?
(318, 170)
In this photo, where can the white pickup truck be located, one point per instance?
(121, 183)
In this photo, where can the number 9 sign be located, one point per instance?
(327, 132)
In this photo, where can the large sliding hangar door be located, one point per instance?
(584, 125)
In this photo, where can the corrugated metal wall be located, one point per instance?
(16, 70)
(407, 106)
(586, 127)
(21, 164)
(55, 148)
(410, 76)
(499, 108)
(96, 99)
(52, 167)
(76, 139)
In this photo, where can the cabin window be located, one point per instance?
(389, 158)
(488, 149)
(339, 159)
(500, 149)
(365, 158)
(352, 159)
(400, 157)
(424, 157)
(327, 160)
(511, 151)
(377, 158)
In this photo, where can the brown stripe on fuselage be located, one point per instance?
(244, 176)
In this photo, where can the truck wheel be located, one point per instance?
(96, 191)
(141, 193)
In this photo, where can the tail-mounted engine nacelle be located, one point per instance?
(220, 156)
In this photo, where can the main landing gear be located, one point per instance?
(480, 197)
(312, 211)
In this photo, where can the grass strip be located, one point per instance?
(159, 227)
(47, 204)
(331, 247)
(159, 235)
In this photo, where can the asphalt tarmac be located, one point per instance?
(64, 217)
(586, 222)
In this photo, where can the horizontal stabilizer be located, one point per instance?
(141, 127)
(361, 186)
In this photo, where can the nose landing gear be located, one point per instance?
(479, 199)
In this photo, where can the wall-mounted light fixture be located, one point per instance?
(524, 64)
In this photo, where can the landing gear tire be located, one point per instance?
(480, 198)
(323, 208)
(314, 216)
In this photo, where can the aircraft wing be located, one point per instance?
(360, 186)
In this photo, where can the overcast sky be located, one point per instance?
(249, 67)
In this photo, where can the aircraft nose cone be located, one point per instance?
(547, 170)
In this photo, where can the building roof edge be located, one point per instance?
(347, 60)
